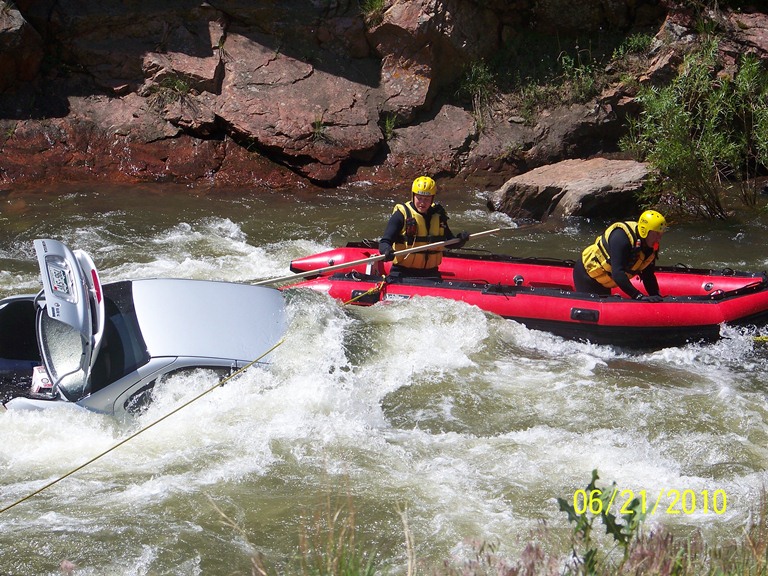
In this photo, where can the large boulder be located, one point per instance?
(425, 45)
(597, 187)
(436, 146)
(309, 118)
(498, 153)
(574, 131)
(21, 49)
(747, 33)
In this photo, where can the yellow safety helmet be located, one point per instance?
(424, 186)
(650, 220)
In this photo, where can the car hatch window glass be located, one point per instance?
(63, 349)
(123, 349)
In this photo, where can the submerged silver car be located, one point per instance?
(104, 347)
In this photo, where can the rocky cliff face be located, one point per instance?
(292, 92)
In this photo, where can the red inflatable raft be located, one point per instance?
(538, 292)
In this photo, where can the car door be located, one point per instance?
(70, 317)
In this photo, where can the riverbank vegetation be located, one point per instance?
(704, 134)
(600, 543)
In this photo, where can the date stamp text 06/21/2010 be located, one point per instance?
(667, 500)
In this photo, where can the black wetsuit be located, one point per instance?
(620, 252)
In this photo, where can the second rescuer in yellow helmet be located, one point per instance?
(623, 251)
(418, 222)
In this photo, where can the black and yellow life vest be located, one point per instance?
(597, 261)
(418, 232)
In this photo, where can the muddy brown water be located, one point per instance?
(473, 423)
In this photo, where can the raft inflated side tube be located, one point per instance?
(376, 258)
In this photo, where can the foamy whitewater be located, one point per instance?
(472, 424)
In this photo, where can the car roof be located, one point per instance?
(202, 318)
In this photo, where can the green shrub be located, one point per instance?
(633, 44)
(703, 131)
(597, 503)
(478, 86)
(319, 130)
(579, 77)
(389, 125)
(169, 90)
(373, 11)
(534, 73)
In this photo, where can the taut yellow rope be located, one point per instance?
(132, 436)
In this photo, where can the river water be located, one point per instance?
(472, 424)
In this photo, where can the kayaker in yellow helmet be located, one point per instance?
(415, 223)
(623, 251)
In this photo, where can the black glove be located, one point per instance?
(654, 298)
(463, 236)
(389, 254)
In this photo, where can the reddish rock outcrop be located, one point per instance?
(297, 93)
(312, 120)
(424, 45)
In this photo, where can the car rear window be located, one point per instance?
(122, 348)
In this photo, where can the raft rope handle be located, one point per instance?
(132, 436)
(373, 290)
